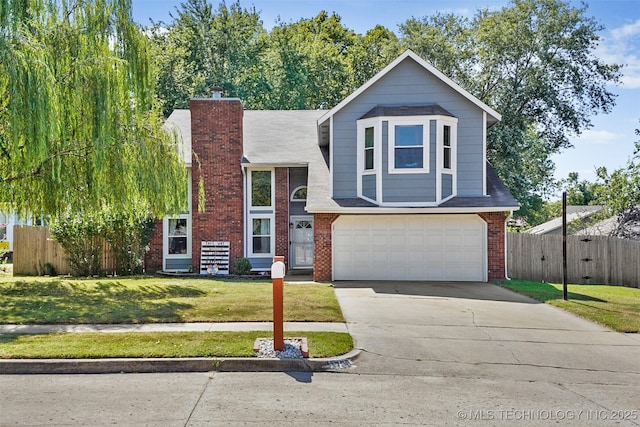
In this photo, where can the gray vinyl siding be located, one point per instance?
(297, 178)
(470, 159)
(447, 185)
(408, 84)
(260, 263)
(369, 186)
(178, 264)
(418, 187)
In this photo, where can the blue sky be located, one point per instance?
(608, 143)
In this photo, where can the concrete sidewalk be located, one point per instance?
(174, 327)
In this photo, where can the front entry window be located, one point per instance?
(177, 236)
(261, 237)
(261, 188)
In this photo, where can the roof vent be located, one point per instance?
(216, 92)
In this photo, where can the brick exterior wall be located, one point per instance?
(495, 244)
(216, 139)
(282, 213)
(153, 258)
(322, 253)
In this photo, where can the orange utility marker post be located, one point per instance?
(277, 277)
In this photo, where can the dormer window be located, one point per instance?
(406, 155)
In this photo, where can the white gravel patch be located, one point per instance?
(291, 349)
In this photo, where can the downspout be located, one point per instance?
(506, 258)
(245, 210)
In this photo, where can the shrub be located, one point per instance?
(50, 270)
(82, 235)
(79, 236)
(242, 267)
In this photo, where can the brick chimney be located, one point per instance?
(216, 138)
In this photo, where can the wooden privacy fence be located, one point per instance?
(590, 259)
(33, 248)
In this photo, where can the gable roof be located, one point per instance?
(409, 54)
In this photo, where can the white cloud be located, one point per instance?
(626, 31)
(620, 48)
(601, 137)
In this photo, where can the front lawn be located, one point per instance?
(158, 300)
(162, 344)
(616, 307)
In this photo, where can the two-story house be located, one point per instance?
(390, 184)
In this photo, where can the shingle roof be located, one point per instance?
(574, 213)
(406, 110)
(498, 195)
(281, 137)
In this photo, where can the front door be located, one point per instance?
(301, 242)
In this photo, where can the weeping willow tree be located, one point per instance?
(79, 127)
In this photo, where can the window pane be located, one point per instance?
(178, 227)
(177, 245)
(261, 227)
(300, 194)
(368, 138)
(447, 136)
(261, 245)
(408, 136)
(368, 159)
(447, 158)
(408, 158)
(261, 188)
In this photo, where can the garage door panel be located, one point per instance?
(414, 247)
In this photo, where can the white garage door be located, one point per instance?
(409, 247)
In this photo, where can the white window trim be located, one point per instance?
(408, 121)
(250, 187)
(272, 231)
(376, 124)
(453, 125)
(165, 233)
(441, 122)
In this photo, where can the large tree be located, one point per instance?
(79, 130)
(205, 47)
(534, 61)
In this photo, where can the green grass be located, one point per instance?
(616, 307)
(158, 300)
(157, 345)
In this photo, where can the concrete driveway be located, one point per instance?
(531, 355)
